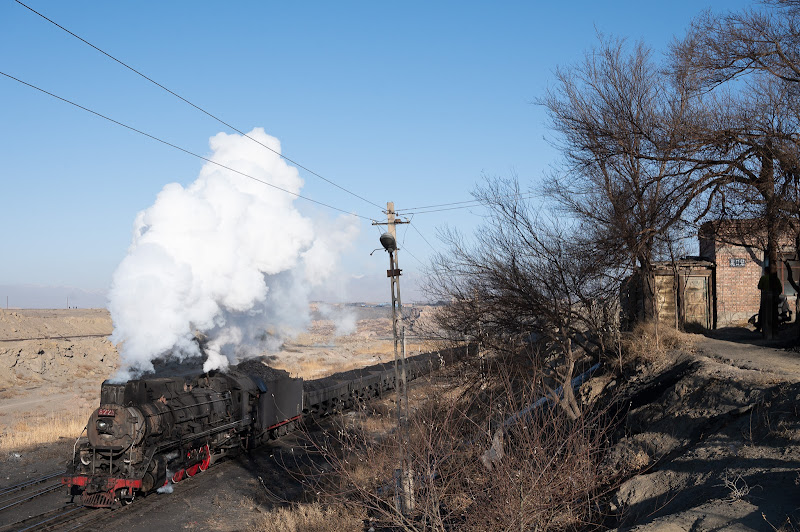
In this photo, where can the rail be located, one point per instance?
(56, 337)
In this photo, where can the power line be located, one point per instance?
(423, 236)
(414, 256)
(297, 164)
(443, 204)
(475, 201)
(438, 210)
(405, 234)
(184, 150)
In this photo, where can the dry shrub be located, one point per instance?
(313, 517)
(545, 474)
(648, 342)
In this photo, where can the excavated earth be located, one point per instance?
(710, 440)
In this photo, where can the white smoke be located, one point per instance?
(227, 257)
(344, 320)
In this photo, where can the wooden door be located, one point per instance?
(665, 300)
(697, 301)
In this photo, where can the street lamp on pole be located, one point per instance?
(404, 479)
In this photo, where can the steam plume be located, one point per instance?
(227, 257)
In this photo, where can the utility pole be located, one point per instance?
(404, 479)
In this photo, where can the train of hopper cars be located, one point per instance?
(147, 433)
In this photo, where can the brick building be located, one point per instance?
(737, 250)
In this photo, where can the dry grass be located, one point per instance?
(318, 367)
(378, 423)
(315, 365)
(649, 343)
(43, 433)
(312, 517)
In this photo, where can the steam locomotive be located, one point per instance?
(147, 433)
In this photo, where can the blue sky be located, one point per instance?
(405, 101)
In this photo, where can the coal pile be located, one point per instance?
(254, 366)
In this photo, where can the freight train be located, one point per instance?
(147, 433)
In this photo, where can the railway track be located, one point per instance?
(71, 516)
(23, 492)
(62, 518)
(56, 337)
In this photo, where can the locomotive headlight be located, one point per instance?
(105, 426)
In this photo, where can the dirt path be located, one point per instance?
(777, 361)
(16, 403)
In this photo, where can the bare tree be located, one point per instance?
(743, 68)
(546, 471)
(528, 285)
(721, 47)
(760, 47)
(628, 172)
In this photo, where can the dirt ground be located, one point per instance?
(712, 439)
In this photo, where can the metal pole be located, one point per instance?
(394, 335)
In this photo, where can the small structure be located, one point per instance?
(684, 294)
(684, 291)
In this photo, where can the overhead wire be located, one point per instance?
(423, 237)
(475, 204)
(417, 210)
(443, 204)
(434, 208)
(438, 210)
(184, 150)
(413, 256)
(524, 195)
(405, 233)
(294, 162)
